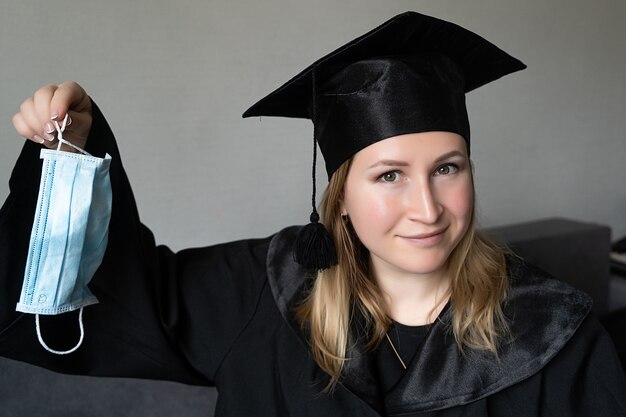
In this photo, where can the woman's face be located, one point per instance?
(409, 199)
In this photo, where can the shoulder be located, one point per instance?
(539, 305)
(581, 377)
(544, 315)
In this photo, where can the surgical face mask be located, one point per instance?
(69, 234)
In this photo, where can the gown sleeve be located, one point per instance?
(160, 315)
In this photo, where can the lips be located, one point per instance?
(426, 239)
(427, 235)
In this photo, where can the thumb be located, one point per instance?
(69, 96)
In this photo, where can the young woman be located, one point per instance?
(396, 307)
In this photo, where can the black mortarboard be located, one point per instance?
(408, 75)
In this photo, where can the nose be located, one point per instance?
(422, 204)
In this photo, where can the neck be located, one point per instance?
(413, 299)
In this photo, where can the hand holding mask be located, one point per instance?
(35, 120)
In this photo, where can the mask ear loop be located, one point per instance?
(62, 352)
(60, 130)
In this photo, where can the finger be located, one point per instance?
(68, 95)
(42, 99)
(29, 116)
(22, 127)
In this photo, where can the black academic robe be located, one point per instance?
(223, 316)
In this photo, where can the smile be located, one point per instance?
(426, 239)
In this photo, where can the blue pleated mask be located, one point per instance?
(69, 234)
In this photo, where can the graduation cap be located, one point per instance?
(408, 75)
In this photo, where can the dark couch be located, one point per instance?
(572, 251)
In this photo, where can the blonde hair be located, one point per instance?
(477, 289)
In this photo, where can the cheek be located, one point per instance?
(459, 200)
(374, 213)
(366, 208)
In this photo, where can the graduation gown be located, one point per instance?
(223, 316)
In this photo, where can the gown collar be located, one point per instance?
(542, 313)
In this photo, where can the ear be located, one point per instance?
(342, 208)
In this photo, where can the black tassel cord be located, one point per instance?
(314, 248)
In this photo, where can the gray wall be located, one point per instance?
(174, 77)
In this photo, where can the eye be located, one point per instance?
(391, 176)
(447, 169)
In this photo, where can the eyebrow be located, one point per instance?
(450, 155)
(390, 163)
(396, 163)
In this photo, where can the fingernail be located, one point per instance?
(48, 136)
(49, 127)
(69, 121)
(54, 116)
(38, 139)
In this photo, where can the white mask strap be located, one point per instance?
(60, 130)
(61, 352)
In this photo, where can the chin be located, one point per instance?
(420, 264)
(426, 267)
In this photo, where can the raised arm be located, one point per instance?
(160, 315)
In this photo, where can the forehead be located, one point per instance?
(423, 146)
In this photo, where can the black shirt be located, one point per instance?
(406, 340)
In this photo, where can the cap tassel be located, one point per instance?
(314, 247)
